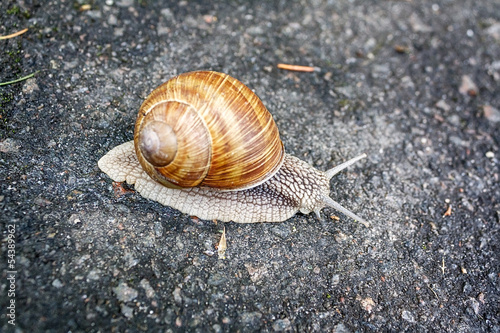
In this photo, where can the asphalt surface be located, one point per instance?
(413, 84)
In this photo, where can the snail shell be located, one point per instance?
(207, 129)
(205, 144)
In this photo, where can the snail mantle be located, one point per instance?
(206, 145)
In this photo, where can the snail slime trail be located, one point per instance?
(191, 151)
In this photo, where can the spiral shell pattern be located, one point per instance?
(224, 137)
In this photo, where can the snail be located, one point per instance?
(205, 144)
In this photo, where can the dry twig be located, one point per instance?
(296, 68)
(15, 34)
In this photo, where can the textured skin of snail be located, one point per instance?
(297, 186)
(294, 185)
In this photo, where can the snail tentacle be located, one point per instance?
(335, 205)
(333, 171)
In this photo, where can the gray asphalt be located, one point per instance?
(413, 84)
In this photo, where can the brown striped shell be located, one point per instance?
(207, 129)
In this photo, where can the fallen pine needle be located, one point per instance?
(85, 7)
(15, 34)
(18, 80)
(296, 68)
(448, 211)
(435, 294)
(221, 248)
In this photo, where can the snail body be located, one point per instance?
(205, 144)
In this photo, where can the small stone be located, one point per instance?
(162, 31)
(125, 3)
(491, 113)
(83, 258)
(54, 64)
(158, 229)
(9, 146)
(124, 293)
(147, 288)
(30, 86)
(408, 316)
(281, 231)
(177, 295)
(340, 237)
(407, 82)
(418, 25)
(367, 304)
(443, 105)
(57, 283)
(256, 273)
(112, 20)
(118, 32)
(480, 298)
(347, 91)
(468, 87)
(130, 260)
(127, 311)
(454, 120)
(251, 318)
(494, 31)
(282, 325)
(474, 304)
(467, 289)
(70, 64)
(255, 30)
(216, 279)
(94, 274)
(167, 13)
(179, 243)
(341, 328)
(382, 71)
(42, 201)
(94, 14)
